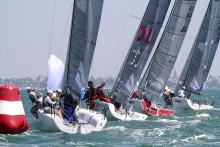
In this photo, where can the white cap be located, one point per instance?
(28, 88)
(59, 90)
(183, 87)
(50, 91)
(166, 88)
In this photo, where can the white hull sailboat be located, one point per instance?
(183, 103)
(154, 109)
(114, 114)
(197, 66)
(83, 34)
(87, 122)
(135, 62)
(164, 57)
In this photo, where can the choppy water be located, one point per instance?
(185, 128)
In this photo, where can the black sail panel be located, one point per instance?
(84, 30)
(165, 55)
(141, 47)
(199, 61)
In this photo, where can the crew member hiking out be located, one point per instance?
(100, 94)
(35, 97)
(90, 91)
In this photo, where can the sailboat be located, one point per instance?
(134, 63)
(199, 61)
(83, 35)
(163, 59)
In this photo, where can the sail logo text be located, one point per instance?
(149, 36)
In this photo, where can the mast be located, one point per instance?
(200, 59)
(141, 48)
(165, 55)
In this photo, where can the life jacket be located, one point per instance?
(38, 95)
(45, 104)
(90, 91)
(99, 91)
(70, 101)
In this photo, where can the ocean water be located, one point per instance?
(185, 128)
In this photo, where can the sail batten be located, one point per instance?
(199, 61)
(141, 48)
(165, 55)
(84, 31)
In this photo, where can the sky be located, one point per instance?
(32, 30)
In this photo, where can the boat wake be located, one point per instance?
(195, 138)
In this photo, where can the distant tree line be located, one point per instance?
(41, 82)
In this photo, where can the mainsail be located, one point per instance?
(84, 30)
(165, 55)
(141, 47)
(199, 61)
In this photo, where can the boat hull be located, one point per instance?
(88, 121)
(121, 114)
(181, 103)
(154, 110)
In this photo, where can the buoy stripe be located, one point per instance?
(11, 108)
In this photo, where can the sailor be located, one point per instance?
(167, 96)
(60, 97)
(101, 94)
(90, 91)
(135, 95)
(181, 92)
(49, 105)
(35, 97)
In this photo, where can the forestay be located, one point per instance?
(165, 55)
(83, 36)
(199, 61)
(141, 47)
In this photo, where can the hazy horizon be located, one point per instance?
(27, 39)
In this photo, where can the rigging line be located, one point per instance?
(52, 26)
(120, 40)
(65, 28)
(52, 35)
(61, 42)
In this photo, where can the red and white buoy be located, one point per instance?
(12, 116)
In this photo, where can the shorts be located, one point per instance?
(51, 111)
(36, 107)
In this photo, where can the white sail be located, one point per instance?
(55, 73)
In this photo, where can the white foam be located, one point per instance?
(138, 133)
(193, 122)
(167, 120)
(194, 138)
(121, 128)
(157, 132)
(173, 142)
(3, 138)
(203, 115)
